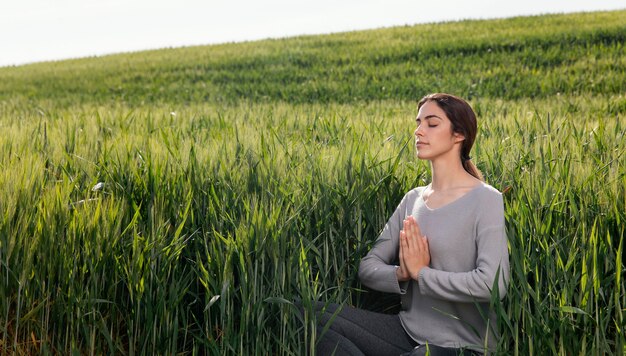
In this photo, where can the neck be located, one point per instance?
(447, 173)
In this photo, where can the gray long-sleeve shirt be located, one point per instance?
(449, 304)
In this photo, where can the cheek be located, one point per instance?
(448, 133)
(443, 134)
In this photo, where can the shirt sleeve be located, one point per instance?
(492, 261)
(377, 269)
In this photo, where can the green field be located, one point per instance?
(239, 177)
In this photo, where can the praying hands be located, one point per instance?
(414, 252)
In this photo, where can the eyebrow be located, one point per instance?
(428, 117)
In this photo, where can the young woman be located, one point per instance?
(444, 250)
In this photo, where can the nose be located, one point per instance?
(418, 132)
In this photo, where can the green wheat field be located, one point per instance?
(178, 201)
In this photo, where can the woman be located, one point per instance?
(444, 250)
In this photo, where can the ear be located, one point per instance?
(458, 137)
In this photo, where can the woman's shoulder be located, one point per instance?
(415, 192)
(488, 195)
(488, 190)
(411, 196)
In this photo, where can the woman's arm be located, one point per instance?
(377, 269)
(492, 261)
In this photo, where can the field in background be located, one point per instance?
(178, 201)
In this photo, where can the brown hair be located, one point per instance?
(463, 121)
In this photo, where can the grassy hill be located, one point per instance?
(179, 200)
(524, 57)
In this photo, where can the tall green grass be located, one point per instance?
(212, 217)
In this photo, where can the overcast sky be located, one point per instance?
(40, 30)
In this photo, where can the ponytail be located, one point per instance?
(471, 169)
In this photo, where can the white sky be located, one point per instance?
(39, 30)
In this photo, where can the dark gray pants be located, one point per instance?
(352, 331)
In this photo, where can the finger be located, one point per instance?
(408, 222)
(417, 229)
(402, 253)
(405, 224)
(412, 233)
(424, 245)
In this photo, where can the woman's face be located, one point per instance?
(434, 137)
